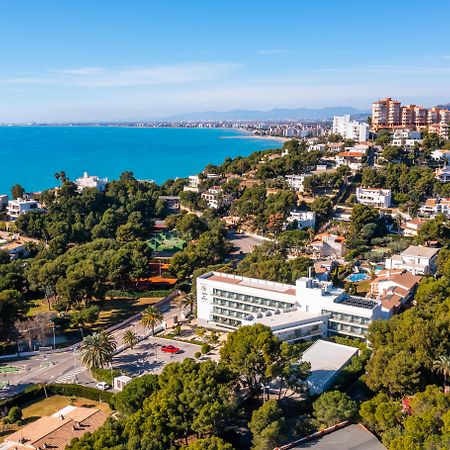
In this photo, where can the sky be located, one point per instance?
(85, 60)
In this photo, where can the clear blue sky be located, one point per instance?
(131, 59)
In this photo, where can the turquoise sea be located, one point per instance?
(30, 156)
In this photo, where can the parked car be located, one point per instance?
(170, 349)
(102, 386)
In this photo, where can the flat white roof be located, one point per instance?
(326, 359)
(250, 282)
(286, 318)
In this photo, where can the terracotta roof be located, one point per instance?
(57, 431)
(344, 154)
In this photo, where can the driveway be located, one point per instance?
(243, 243)
(147, 356)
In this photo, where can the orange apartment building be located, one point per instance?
(388, 113)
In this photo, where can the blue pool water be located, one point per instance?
(31, 156)
(355, 277)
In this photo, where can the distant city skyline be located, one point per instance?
(140, 60)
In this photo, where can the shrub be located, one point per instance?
(197, 355)
(14, 415)
(205, 348)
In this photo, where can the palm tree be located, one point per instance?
(97, 350)
(442, 365)
(130, 338)
(190, 302)
(150, 317)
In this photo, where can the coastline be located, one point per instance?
(249, 135)
(151, 153)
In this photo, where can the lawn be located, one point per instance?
(363, 286)
(115, 310)
(52, 404)
(48, 406)
(37, 306)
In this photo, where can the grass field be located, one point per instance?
(115, 310)
(37, 306)
(363, 286)
(52, 404)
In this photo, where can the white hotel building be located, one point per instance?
(307, 310)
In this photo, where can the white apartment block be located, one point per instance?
(377, 197)
(350, 129)
(193, 184)
(434, 206)
(304, 219)
(306, 310)
(416, 259)
(21, 206)
(91, 181)
(295, 182)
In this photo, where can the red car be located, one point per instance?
(170, 349)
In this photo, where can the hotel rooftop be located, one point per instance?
(237, 280)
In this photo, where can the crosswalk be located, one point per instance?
(69, 377)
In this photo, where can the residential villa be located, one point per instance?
(443, 174)
(393, 288)
(441, 155)
(303, 219)
(193, 184)
(417, 259)
(91, 181)
(406, 138)
(56, 431)
(328, 245)
(295, 182)
(21, 206)
(15, 249)
(306, 310)
(377, 197)
(434, 206)
(351, 158)
(215, 197)
(412, 227)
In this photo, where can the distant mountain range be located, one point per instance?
(274, 114)
(444, 106)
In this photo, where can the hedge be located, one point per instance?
(80, 391)
(35, 393)
(105, 375)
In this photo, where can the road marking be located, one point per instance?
(70, 375)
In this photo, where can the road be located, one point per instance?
(243, 243)
(66, 366)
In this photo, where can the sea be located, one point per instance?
(30, 156)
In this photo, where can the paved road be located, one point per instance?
(147, 356)
(243, 243)
(66, 366)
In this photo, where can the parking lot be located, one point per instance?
(147, 356)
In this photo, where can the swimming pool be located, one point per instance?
(355, 277)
